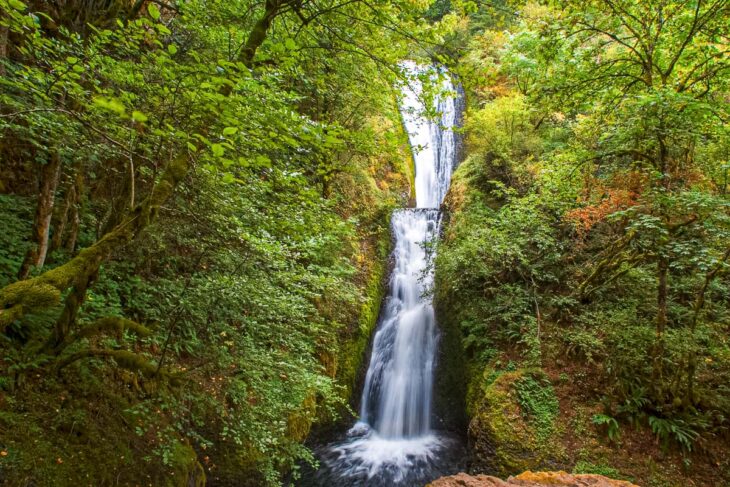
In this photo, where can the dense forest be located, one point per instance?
(195, 230)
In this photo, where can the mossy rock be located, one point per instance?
(186, 471)
(352, 349)
(512, 425)
(451, 374)
(300, 422)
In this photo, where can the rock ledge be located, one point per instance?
(531, 479)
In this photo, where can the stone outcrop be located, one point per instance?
(530, 479)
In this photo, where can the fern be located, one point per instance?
(612, 428)
(683, 432)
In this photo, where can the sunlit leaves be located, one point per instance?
(154, 11)
(110, 104)
(254, 269)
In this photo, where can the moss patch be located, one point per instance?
(186, 471)
(300, 422)
(513, 422)
(352, 350)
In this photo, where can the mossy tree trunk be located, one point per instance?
(36, 255)
(61, 332)
(67, 221)
(260, 29)
(3, 47)
(689, 399)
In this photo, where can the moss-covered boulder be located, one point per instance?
(186, 471)
(512, 422)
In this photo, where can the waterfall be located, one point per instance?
(393, 443)
(434, 164)
(396, 399)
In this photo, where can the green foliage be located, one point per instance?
(584, 343)
(496, 260)
(611, 425)
(538, 403)
(586, 467)
(587, 227)
(16, 215)
(684, 433)
(503, 126)
(224, 187)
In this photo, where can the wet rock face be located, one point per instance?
(530, 479)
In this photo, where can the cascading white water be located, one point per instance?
(393, 442)
(396, 399)
(435, 164)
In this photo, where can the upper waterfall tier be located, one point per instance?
(432, 141)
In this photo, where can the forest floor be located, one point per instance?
(636, 455)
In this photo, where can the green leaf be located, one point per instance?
(172, 49)
(17, 5)
(162, 29)
(139, 116)
(228, 178)
(153, 11)
(72, 60)
(110, 104)
(218, 150)
(263, 161)
(230, 130)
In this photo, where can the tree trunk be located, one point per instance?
(66, 230)
(260, 30)
(661, 321)
(689, 398)
(3, 48)
(73, 233)
(36, 255)
(59, 339)
(61, 220)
